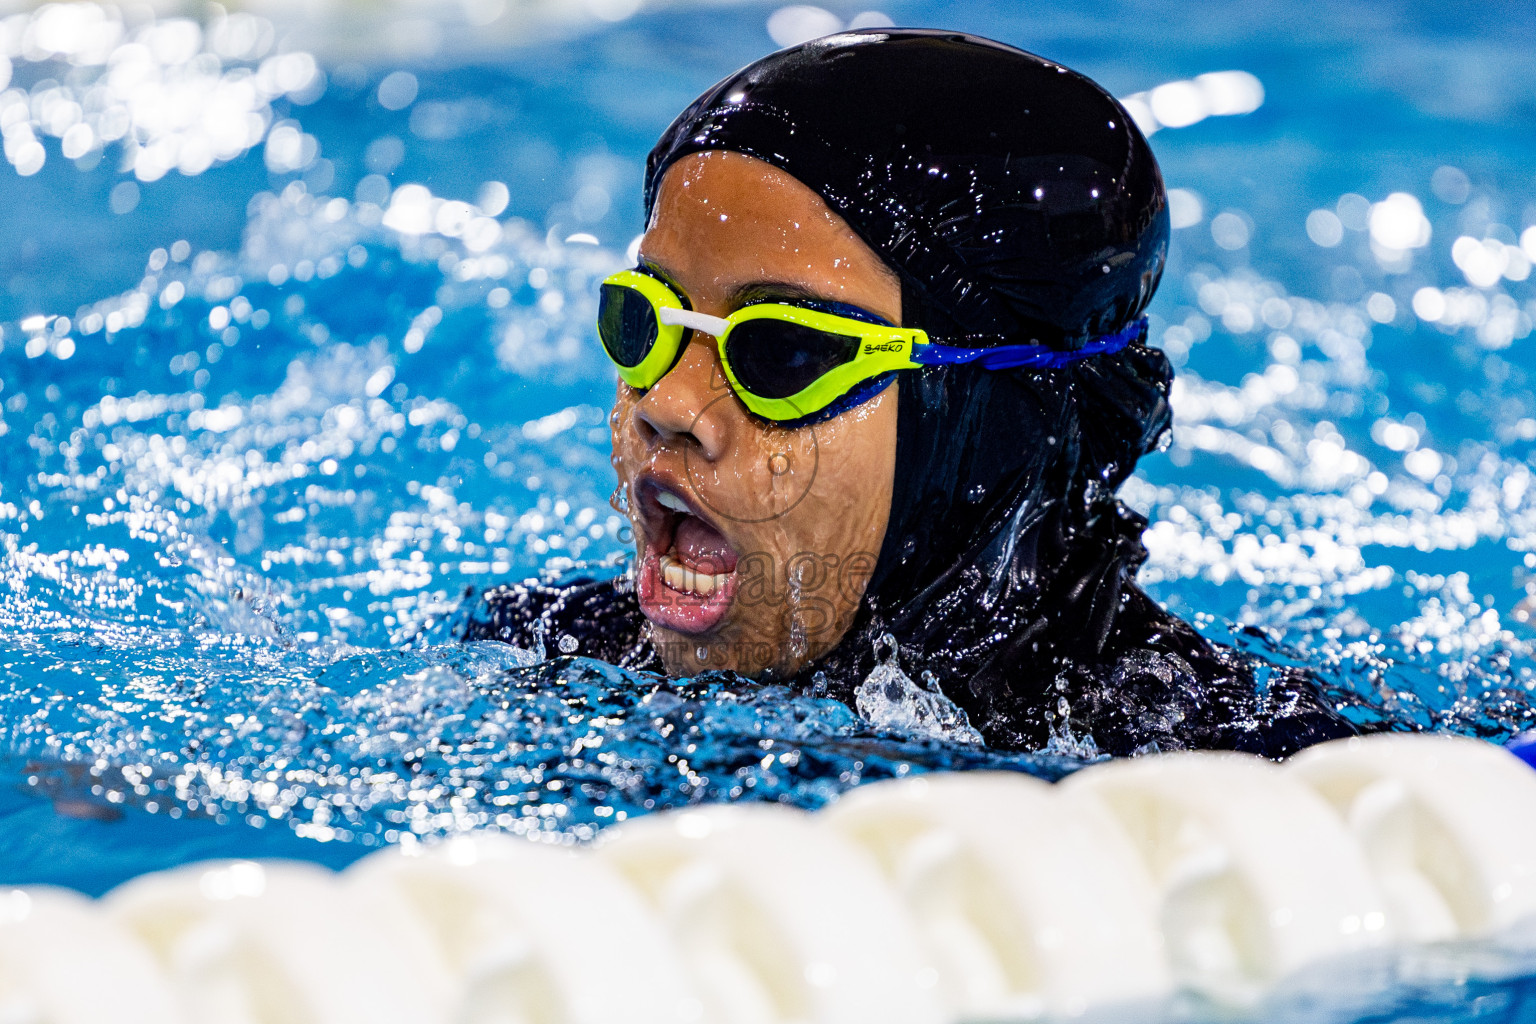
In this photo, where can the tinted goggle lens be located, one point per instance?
(626, 323)
(777, 359)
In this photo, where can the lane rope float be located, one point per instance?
(934, 899)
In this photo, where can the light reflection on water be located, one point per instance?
(246, 495)
(243, 607)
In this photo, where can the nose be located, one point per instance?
(690, 402)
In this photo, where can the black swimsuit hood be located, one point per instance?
(1018, 202)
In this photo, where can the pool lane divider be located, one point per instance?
(933, 899)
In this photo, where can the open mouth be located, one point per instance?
(688, 572)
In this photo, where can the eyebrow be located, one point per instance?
(775, 291)
(660, 271)
(752, 292)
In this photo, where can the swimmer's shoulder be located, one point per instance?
(1227, 698)
(588, 617)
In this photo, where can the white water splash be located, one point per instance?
(889, 699)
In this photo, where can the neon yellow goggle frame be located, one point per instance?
(784, 362)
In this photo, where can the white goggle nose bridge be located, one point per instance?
(711, 325)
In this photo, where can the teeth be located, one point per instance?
(679, 577)
(666, 499)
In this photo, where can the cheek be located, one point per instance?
(846, 505)
(858, 456)
(621, 429)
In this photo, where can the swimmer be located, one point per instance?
(883, 367)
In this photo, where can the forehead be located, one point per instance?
(723, 221)
(758, 190)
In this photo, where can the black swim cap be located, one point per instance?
(1013, 196)
(1016, 200)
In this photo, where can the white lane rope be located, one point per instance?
(932, 899)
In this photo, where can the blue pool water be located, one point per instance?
(282, 388)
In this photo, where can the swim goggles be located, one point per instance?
(785, 361)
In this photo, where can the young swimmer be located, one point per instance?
(883, 368)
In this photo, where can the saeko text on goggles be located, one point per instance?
(785, 361)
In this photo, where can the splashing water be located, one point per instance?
(252, 479)
(888, 699)
(202, 620)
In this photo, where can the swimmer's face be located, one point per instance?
(754, 541)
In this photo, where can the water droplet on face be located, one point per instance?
(799, 645)
(778, 465)
(701, 652)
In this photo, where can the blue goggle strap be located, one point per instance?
(1008, 357)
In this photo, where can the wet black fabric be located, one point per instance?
(1018, 203)
(1014, 196)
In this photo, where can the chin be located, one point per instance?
(754, 658)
